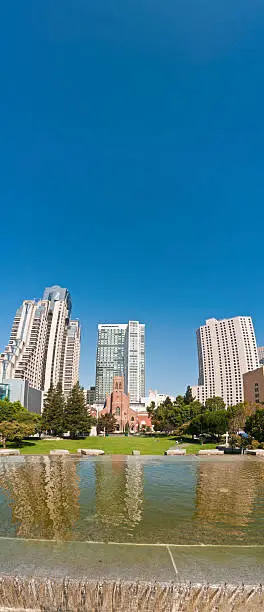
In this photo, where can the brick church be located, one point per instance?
(118, 404)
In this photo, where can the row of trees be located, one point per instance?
(188, 416)
(170, 416)
(59, 415)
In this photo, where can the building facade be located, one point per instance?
(70, 375)
(261, 354)
(40, 342)
(118, 404)
(90, 396)
(134, 360)
(226, 350)
(157, 398)
(254, 386)
(120, 352)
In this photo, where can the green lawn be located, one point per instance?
(111, 445)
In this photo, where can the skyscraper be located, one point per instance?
(226, 350)
(121, 352)
(71, 356)
(42, 342)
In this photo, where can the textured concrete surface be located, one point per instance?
(50, 576)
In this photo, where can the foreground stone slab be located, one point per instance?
(258, 452)
(9, 451)
(59, 451)
(175, 451)
(90, 451)
(212, 451)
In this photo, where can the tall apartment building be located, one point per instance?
(71, 356)
(40, 343)
(121, 352)
(134, 361)
(226, 350)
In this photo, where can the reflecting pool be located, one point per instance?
(182, 500)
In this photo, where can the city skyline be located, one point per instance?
(134, 178)
(88, 381)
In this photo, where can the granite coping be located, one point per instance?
(128, 561)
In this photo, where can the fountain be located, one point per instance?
(131, 534)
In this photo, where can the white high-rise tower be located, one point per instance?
(226, 350)
(40, 346)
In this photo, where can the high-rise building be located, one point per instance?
(134, 360)
(226, 350)
(42, 342)
(71, 356)
(59, 312)
(261, 354)
(90, 396)
(121, 352)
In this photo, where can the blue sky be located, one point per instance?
(132, 167)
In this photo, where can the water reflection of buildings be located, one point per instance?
(43, 496)
(119, 492)
(227, 494)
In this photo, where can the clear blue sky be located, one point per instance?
(132, 167)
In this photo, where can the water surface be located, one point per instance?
(133, 499)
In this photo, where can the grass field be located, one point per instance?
(119, 445)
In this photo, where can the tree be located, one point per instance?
(15, 431)
(107, 423)
(195, 408)
(188, 397)
(151, 409)
(255, 425)
(237, 416)
(12, 411)
(76, 418)
(212, 423)
(53, 411)
(16, 422)
(214, 403)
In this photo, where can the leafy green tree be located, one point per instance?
(255, 425)
(237, 416)
(214, 403)
(15, 431)
(195, 408)
(188, 397)
(12, 411)
(16, 422)
(167, 417)
(76, 418)
(53, 411)
(212, 423)
(179, 401)
(107, 423)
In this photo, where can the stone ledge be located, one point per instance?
(90, 451)
(59, 451)
(9, 451)
(175, 451)
(211, 451)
